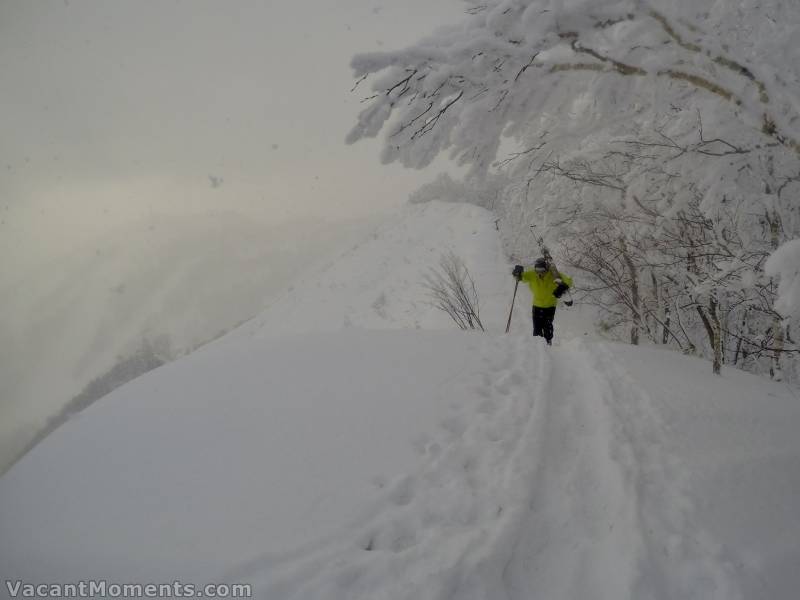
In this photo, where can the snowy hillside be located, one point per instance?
(162, 286)
(378, 283)
(349, 443)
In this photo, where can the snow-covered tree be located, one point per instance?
(664, 133)
(512, 61)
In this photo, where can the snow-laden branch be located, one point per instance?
(513, 61)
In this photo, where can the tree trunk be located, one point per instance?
(776, 370)
(740, 351)
(635, 300)
(713, 309)
(713, 336)
(660, 311)
(777, 367)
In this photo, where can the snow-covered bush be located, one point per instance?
(453, 291)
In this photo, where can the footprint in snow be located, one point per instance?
(403, 492)
(454, 425)
(487, 407)
(484, 391)
(503, 383)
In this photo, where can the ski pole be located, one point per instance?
(508, 325)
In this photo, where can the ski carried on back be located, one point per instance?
(562, 287)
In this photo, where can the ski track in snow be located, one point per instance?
(557, 487)
(440, 532)
(610, 517)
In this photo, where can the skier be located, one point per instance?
(547, 285)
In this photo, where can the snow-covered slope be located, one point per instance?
(378, 283)
(328, 449)
(168, 283)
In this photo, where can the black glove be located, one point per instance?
(560, 289)
(517, 272)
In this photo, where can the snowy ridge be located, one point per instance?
(330, 449)
(378, 283)
(167, 282)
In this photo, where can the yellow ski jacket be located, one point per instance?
(542, 288)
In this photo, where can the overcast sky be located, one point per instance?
(118, 109)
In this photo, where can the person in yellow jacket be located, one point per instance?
(547, 285)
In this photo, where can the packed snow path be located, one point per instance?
(609, 516)
(555, 488)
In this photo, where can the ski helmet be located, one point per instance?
(540, 265)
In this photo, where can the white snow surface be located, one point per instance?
(785, 263)
(349, 443)
(174, 282)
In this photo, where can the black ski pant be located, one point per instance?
(543, 322)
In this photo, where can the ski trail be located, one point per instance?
(679, 559)
(448, 530)
(610, 517)
(580, 539)
(552, 482)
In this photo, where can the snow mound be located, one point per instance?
(785, 263)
